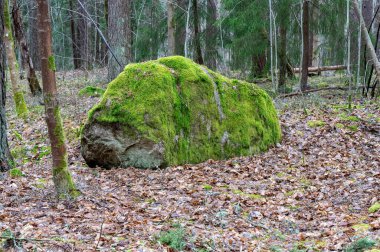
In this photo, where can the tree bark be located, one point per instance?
(211, 53)
(5, 155)
(367, 39)
(197, 39)
(61, 176)
(119, 35)
(171, 28)
(282, 57)
(34, 85)
(82, 39)
(18, 94)
(33, 35)
(306, 47)
(74, 42)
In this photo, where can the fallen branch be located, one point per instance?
(322, 69)
(312, 91)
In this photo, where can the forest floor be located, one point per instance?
(312, 192)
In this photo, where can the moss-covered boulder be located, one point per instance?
(172, 111)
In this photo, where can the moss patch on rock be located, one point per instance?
(179, 111)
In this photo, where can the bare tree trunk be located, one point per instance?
(187, 31)
(306, 47)
(34, 85)
(171, 28)
(283, 58)
(211, 53)
(119, 35)
(33, 34)
(367, 39)
(61, 176)
(18, 95)
(5, 155)
(82, 39)
(74, 42)
(197, 39)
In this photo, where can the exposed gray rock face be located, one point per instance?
(109, 146)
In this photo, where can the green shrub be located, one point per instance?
(174, 238)
(360, 245)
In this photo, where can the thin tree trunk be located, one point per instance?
(180, 26)
(283, 58)
(306, 48)
(33, 34)
(171, 28)
(5, 155)
(119, 35)
(34, 85)
(211, 53)
(82, 39)
(74, 42)
(367, 39)
(18, 94)
(61, 176)
(197, 39)
(187, 36)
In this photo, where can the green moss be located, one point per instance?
(64, 184)
(339, 125)
(7, 17)
(207, 187)
(345, 117)
(15, 173)
(91, 91)
(362, 227)
(315, 123)
(353, 128)
(170, 101)
(21, 109)
(374, 208)
(51, 63)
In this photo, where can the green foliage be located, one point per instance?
(16, 173)
(174, 238)
(374, 208)
(360, 245)
(92, 91)
(142, 97)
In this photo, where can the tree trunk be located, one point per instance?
(34, 85)
(180, 26)
(211, 53)
(119, 35)
(306, 47)
(18, 95)
(171, 28)
(33, 35)
(74, 42)
(283, 58)
(322, 68)
(367, 39)
(82, 39)
(61, 176)
(5, 155)
(197, 39)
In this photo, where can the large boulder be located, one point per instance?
(172, 111)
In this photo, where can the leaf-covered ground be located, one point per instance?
(312, 192)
